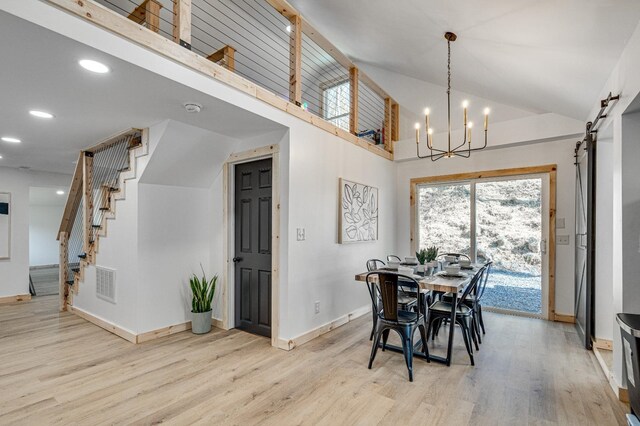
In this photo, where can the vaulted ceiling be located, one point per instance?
(536, 55)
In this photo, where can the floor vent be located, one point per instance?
(106, 284)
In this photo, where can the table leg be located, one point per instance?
(452, 327)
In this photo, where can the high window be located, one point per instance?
(336, 101)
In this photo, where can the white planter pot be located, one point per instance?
(201, 322)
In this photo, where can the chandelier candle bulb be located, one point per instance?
(469, 132)
(417, 133)
(486, 118)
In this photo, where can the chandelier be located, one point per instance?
(464, 149)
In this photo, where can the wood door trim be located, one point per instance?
(551, 169)
(273, 152)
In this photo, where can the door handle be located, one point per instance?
(237, 259)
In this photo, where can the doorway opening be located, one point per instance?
(46, 206)
(498, 216)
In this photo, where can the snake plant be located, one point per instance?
(203, 291)
(427, 255)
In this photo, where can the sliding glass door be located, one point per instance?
(502, 219)
(444, 217)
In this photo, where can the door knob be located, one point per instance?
(237, 259)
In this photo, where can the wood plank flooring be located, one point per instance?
(45, 280)
(56, 368)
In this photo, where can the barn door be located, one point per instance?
(585, 238)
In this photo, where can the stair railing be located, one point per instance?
(90, 201)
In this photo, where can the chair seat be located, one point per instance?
(445, 307)
(447, 297)
(404, 317)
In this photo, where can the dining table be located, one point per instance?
(438, 283)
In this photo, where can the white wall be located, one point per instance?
(558, 152)
(44, 222)
(624, 80)
(14, 272)
(604, 238)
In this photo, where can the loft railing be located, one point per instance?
(270, 44)
(90, 199)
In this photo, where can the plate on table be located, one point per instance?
(456, 275)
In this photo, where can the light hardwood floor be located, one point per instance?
(56, 368)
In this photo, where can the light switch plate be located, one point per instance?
(560, 223)
(562, 240)
(300, 234)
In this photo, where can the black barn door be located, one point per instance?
(585, 238)
(252, 257)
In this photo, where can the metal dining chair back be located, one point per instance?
(374, 264)
(393, 258)
(482, 285)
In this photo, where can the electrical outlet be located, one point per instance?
(560, 223)
(562, 240)
(317, 307)
(300, 234)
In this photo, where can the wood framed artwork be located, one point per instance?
(358, 212)
(5, 225)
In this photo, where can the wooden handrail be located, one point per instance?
(74, 195)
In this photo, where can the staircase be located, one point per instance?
(99, 182)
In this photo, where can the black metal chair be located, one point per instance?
(456, 255)
(473, 301)
(406, 298)
(392, 316)
(393, 258)
(440, 311)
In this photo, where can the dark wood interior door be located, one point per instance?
(252, 255)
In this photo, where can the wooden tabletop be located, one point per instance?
(436, 282)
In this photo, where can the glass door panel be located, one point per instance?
(444, 217)
(509, 231)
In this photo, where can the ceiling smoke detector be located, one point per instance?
(192, 107)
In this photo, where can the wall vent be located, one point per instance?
(106, 284)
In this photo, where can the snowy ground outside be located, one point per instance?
(514, 291)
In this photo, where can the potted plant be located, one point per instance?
(430, 257)
(202, 290)
(421, 255)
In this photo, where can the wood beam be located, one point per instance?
(353, 100)
(148, 14)
(225, 57)
(386, 134)
(295, 60)
(87, 192)
(182, 22)
(395, 121)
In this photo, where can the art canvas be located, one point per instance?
(358, 220)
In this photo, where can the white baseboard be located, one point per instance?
(288, 345)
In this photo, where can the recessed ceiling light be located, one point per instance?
(94, 66)
(0, 157)
(60, 192)
(10, 139)
(40, 114)
(288, 28)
